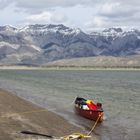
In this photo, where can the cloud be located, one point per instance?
(97, 23)
(43, 4)
(117, 10)
(45, 18)
(112, 13)
(4, 3)
(130, 2)
(59, 18)
(79, 13)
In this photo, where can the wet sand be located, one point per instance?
(18, 115)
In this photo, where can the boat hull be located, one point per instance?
(90, 114)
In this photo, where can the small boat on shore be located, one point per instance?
(88, 109)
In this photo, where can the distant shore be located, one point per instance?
(66, 68)
(18, 115)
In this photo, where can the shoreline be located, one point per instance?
(69, 68)
(18, 115)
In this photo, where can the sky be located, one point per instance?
(89, 15)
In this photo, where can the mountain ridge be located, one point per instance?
(39, 44)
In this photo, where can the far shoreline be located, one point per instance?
(14, 67)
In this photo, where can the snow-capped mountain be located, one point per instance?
(38, 44)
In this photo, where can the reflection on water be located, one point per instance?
(119, 91)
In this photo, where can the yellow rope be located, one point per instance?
(94, 125)
(80, 135)
(33, 111)
(7, 115)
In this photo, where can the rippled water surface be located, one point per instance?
(118, 91)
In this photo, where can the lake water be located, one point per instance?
(118, 91)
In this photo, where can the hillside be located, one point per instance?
(99, 61)
(40, 44)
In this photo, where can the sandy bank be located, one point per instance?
(18, 115)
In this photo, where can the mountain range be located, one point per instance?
(39, 44)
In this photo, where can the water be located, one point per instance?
(118, 91)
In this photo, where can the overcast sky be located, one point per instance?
(89, 15)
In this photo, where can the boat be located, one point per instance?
(88, 109)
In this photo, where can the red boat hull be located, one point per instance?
(90, 114)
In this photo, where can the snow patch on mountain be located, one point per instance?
(50, 29)
(35, 47)
(14, 46)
